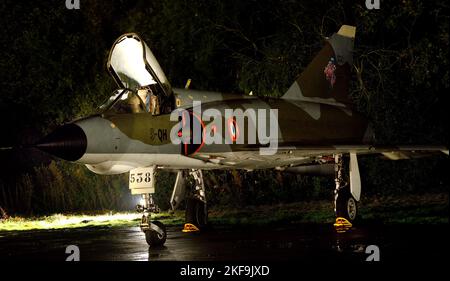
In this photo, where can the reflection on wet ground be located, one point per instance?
(296, 242)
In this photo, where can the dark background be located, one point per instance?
(52, 70)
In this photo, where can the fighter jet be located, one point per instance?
(146, 126)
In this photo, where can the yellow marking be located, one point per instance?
(113, 125)
(347, 31)
(342, 225)
(189, 227)
(178, 101)
(191, 97)
(188, 84)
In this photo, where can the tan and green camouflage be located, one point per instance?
(316, 119)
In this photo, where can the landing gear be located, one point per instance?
(155, 231)
(156, 236)
(196, 217)
(345, 205)
(196, 213)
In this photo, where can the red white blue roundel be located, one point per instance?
(233, 129)
(330, 72)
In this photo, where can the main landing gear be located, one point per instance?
(347, 192)
(196, 215)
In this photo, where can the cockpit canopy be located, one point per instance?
(133, 65)
(143, 85)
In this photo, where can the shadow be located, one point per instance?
(158, 253)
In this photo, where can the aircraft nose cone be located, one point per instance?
(68, 142)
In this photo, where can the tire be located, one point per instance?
(153, 238)
(346, 205)
(196, 213)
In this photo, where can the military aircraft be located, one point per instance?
(147, 126)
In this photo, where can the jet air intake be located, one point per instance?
(68, 142)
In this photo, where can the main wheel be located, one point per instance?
(196, 213)
(346, 206)
(154, 238)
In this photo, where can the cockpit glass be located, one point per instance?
(111, 99)
(127, 60)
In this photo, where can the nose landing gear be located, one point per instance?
(155, 231)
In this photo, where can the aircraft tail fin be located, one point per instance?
(327, 77)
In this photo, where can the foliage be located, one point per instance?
(64, 187)
(52, 70)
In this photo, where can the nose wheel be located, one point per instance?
(156, 235)
(155, 231)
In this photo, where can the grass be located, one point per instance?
(300, 212)
(60, 221)
(407, 209)
(410, 209)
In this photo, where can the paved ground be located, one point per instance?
(299, 242)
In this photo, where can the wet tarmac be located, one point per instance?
(287, 243)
